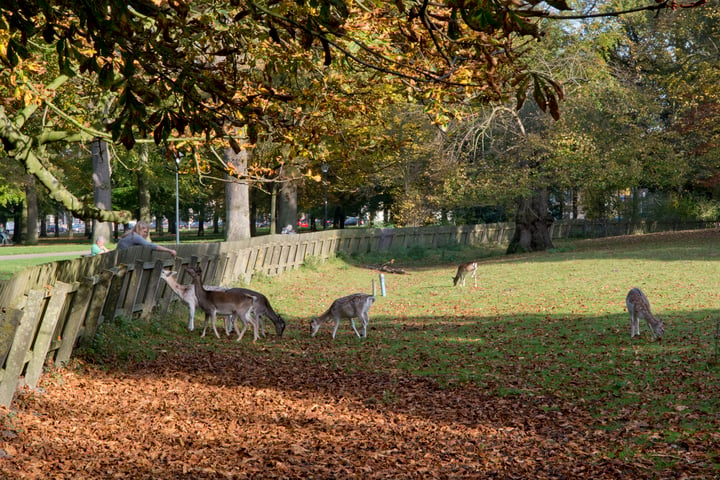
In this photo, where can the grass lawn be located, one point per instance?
(544, 337)
(53, 249)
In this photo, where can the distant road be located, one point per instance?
(79, 253)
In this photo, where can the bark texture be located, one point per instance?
(532, 225)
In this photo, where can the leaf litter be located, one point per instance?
(239, 415)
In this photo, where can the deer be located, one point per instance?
(232, 301)
(186, 294)
(262, 308)
(638, 307)
(463, 270)
(352, 307)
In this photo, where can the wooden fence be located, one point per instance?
(47, 310)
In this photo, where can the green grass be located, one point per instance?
(546, 325)
(65, 248)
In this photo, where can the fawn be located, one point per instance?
(352, 306)
(232, 301)
(639, 307)
(463, 270)
(186, 294)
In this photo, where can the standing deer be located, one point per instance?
(639, 307)
(353, 306)
(463, 270)
(232, 301)
(186, 294)
(262, 309)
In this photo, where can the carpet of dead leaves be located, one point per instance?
(207, 415)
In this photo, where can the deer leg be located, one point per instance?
(207, 322)
(260, 322)
(237, 330)
(634, 324)
(229, 321)
(254, 322)
(214, 325)
(242, 332)
(337, 324)
(365, 321)
(352, 322)
(191, 322)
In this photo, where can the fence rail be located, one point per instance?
(48, 310)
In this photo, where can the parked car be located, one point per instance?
(303, 223)
(354, 221)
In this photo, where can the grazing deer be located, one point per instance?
(232, 301)
(639, 307)
(186, 294)
(463, 270)
(262, 309)
(353, 306)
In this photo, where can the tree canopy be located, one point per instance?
(131, 70)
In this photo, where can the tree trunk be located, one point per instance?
(532, 225)
(253, 212)
(273, 209)
(201, 222)
(216, 223)
(287, 205)
(145, 213)
(574, 204)
(31, 222)
(237, 197)
(102, 186)
(57, 223)
(43, 226)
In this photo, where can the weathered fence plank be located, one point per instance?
(78, 309)
(16, 358)
(44, 337)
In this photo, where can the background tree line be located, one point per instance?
(443, 112)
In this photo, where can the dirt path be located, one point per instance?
(78, 253)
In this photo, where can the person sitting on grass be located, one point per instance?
(98, 247)
(138, 236)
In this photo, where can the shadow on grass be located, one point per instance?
(546, 378)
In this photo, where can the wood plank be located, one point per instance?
(113, 306)
(133, 289)
(104, 299)
(153, 286)
(45, 333)
(24, 334)
(76, 317)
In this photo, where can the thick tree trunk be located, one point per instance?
(237, 197)
(287, 205)
(532, 225)
(102, 186)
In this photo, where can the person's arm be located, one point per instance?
(160, 248)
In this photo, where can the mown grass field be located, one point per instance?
(540, 351)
